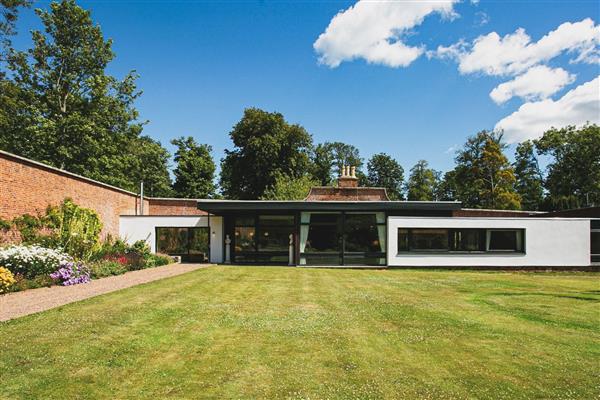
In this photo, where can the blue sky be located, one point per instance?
(202, 62)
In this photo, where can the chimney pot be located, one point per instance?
(354, 172)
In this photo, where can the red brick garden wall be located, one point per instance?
(28, 187)
(173, 207)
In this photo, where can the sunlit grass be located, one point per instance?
(229, 332)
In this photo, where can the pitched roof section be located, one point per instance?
(330, 193)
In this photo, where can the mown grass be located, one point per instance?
(289, 333)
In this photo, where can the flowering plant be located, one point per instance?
(31, 261)
(7, 279)
(71, 273)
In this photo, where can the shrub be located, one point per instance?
(31, 261)
(70, 227)
(76, 229)
(7, 279)
(71, 273)
(156, 260)
(5, 225)
(23, 283)
(110, 248)
(103, 268)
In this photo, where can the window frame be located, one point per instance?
(188, 237)
(452, 248)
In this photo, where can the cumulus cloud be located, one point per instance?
(576, 107)
(537, 83)
(514, 53)
(373, 31)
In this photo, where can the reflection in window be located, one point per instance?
(244, 239)
(274, 238)
(429, 239)
(363, 234)
(172, 240)
(460, 240)
(504, 240)
(322, 238)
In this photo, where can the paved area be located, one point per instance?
(14, 305)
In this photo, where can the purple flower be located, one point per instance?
(70, 273)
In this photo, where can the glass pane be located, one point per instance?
(244, 239)
(244, 220)
(276, 220)
(198, 241)
(429, 239)
(171, 240)
(274, 238)
(402, 239)
(322, 238)
(504, 240)
(327, 260)
(362, 260)
(362, 233)
(595, 242)
(469, 240)
(326, 218)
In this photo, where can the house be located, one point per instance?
(348, 225)
(345, 225)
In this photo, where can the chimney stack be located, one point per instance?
(348, 178)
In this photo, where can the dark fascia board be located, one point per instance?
(217, 206)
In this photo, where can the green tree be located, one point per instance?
(446, 188)
(573, 175)
(329, 158)
(529, 183)
(265, 147)
(9, 12)
(286, 188)
(483, 177)
(384, 171)
(150, 164)
(195, 169)
(423, 182)
(60, 98)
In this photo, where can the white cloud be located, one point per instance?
(576, 107)
(537, 83)
(373, 30)
(515, 53)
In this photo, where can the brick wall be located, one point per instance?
(173, 207)
(28, 187)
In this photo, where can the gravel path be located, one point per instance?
(14, 305)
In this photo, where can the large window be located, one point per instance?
(191, 243)
(460, 240)
(328, 238)
(262, 238)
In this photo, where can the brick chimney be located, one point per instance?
(348, 178)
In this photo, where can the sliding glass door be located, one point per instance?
(342, 238)
(262, 239)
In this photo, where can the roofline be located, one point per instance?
(211, 205)
(64, 172)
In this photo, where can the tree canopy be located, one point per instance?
(265, 146)
(483, 177)
(195, 169)
(423, 182)
(573, 174)
(286, 188)
(529, 184)
(384, 171)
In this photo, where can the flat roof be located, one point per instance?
(217, 206)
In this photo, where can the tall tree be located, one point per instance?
(9, 12)
(265, 147)
(286, 188)
(529, 178)
(150, 164)
(384, 171)
(330, 157)
(447, 187)
(60, 98)
(483, 176)
(195, 169)
(423, 182)
(573, 175)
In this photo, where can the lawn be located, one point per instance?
(275, 332)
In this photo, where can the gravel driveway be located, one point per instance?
(14, 305)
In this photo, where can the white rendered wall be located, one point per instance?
(548, 242)
(134, 228)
